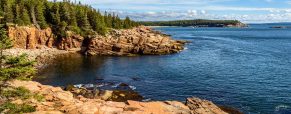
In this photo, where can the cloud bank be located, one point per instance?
(250, 11)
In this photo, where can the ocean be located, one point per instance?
(245, 68)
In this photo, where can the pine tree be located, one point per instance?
(64, 12)
(127, 23)
(7, 11)
(39, 10)
(5, 43)
(19, 67)
(61, 16)
(72, 19)
(1, 8)
(17, 14)
(117, 24)
(82, 19)
(97, 22)
(54, 12)
(108, 20)
(25, 17)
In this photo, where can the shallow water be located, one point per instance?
(246, 68)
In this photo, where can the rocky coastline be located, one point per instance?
(57, 101)
(40, 45)
(43, 46)
(136, 41)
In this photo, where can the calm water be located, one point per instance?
(249, 69)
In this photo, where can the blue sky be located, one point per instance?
(250, 11)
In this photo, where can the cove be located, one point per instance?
(246, 68)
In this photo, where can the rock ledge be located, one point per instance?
(58, 101)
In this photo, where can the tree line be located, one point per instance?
(198, 22)
(61, 16)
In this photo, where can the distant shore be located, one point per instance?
(195, 23)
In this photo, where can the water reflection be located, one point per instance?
(72, 69)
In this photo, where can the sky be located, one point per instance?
(248, 11)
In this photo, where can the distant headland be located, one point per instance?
(196, 23)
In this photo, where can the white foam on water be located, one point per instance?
(78, 85)
(116, 85)
(282, 107)
(89, 85)
(132, 87)
(146, 100)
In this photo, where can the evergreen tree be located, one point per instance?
(7, 11)
(1, 8)
(61, 16)
(72, 19)
(17, 14)
(127, 23)
(108, 19)
(54, 12)
(25, 17)
(5, 43)
(116, 22)
(39, 10)
(20, 68)
(82, 19)
(97, 22)
(64, 11)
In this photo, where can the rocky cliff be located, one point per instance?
(30, 37)
(71, 40)
(58, 101)
(141, 40)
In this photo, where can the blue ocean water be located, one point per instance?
(245, 68)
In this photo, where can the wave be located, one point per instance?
(121, 86)
(283, 109)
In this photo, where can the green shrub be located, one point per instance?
(38, 97)
(19, 92)
(17, 68)
(10, 108)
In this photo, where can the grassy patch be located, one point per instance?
(10, 108)
(38, 97)
(21, 93)
(17, 93)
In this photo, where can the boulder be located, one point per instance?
(199, 106)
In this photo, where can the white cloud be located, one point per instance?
(202, 14)
(168, 2)
(192, 9)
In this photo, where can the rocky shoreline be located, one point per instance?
(41, 46)
(136, 41)
(57, 101)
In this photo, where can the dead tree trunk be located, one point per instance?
(32, 12)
